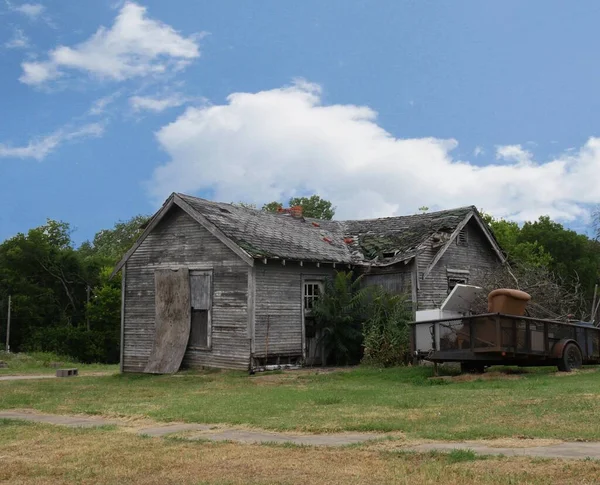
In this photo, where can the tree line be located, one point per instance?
(63, 300)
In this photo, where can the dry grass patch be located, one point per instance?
(38, 454)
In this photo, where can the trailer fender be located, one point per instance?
(559, 347)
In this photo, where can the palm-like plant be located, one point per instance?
(339, 316)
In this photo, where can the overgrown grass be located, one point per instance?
(45, 363)
(44, 454)
(537, 404)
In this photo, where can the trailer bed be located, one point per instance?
(500, 339)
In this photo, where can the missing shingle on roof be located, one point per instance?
(225, 211)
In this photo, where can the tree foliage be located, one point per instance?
(51, 282)
(354, 319)
(313, 206)
(339, 313)
(272, 206)
(556, 265)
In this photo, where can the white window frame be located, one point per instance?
(194, 272)
(310, 297)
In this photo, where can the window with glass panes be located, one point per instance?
(312, 292)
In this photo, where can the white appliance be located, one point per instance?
(456, 305)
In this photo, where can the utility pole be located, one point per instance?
(87, 315)
(8, 327)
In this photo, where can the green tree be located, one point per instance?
(113, 243)
(508, 234)
(44, 274)
(272, 206)
(313, 206)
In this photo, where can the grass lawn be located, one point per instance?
(538, 404)
(45, 363)
(43, 454)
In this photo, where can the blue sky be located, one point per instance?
(382, 107)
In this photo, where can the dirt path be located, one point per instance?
(569, 450)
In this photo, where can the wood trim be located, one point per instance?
(445, 247)
(153, 223)
(414, 282)
(209, 326)
(490, 238)
(123, 291)
(213, 229)
(174, 199)
(251, 307)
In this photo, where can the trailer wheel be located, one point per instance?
(471, 368)
(571, 358)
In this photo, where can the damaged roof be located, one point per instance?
(381, 241)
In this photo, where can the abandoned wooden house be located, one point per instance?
(218, 285)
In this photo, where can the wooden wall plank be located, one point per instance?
(478, 257)
(178, 240)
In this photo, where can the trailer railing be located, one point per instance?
(496, 332)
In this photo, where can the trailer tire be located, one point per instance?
(471, 368)
(571, 358)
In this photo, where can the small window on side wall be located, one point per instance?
(312, 292)
(456, 280)
(201, 299)
(463, 238)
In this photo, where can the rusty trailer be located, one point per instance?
(478, 341)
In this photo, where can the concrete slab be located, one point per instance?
(571, 450)
(26, 378)
(173, 428)
(568, 450)
(73, 421)
(248, 436)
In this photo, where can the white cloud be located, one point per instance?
(40, 148)
(157, 104)
(478, 151)
(99, 106)
(31, 10)
(513, 153)
(134, 46)
(19, 40)
(274, 144)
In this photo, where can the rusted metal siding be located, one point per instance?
(278, 306)
(477, 257)
(179, 241)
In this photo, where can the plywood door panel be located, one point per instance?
(172, 327)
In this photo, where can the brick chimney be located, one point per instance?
(296, 211)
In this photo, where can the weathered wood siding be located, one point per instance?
(396, 279)
(278, 302)
(178, 240)
(477, 257)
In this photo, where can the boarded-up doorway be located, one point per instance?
(172, 320)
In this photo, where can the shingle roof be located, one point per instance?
(267, 235)
(374, 241)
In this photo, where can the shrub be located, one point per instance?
(86, 346)
(351, 317)
(386, 330)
